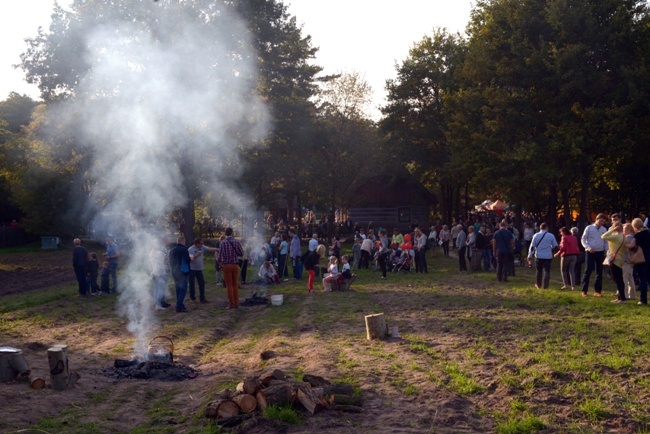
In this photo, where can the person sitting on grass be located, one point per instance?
(267, 274)
(333, 270)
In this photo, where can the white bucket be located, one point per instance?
(394, 332)
(277, 299)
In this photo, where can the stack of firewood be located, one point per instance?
(313, 393)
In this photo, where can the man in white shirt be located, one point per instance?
(595, 248)
(313, 242)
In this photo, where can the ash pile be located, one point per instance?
(150, 370)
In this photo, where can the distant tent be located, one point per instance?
(498, 206)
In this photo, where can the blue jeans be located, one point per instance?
(159, 289)
(486, 257)
(80, 273)
(297, 268)
(113, 269)
(594, 261)
(198, 274)
(180, 282)
(642, 271)
(542, 268)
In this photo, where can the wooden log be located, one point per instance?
(221, 409)
(339, 399)
(260, 397)
(376, 326)
(266, 381)
(315, 380)
(64, 348)
(248, 387)
(309, 400)
(348, 408)
(247, 403)
(278, 393)
(37, 383)
(58, 361)
(278, 374)
(338, 388)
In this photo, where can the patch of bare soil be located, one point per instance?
(29, 271)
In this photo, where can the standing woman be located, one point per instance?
(311, 262)
(616, 242)
(283, 250)
(445, 236)
(382, 252)
(421, 243)
(568, 256)
(641, 239)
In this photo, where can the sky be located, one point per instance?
(369, 37)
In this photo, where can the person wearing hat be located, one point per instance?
(595, 248)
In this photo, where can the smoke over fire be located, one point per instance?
(166, 98)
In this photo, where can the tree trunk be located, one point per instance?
(584, 219)
(568, 218)
(551, 212)
(376, 326)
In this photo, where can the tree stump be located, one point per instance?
(13, 365)
(37, 383)
(57, 358)
(376, 326)
(247, 403)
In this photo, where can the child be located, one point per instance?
(106, 272)
(345, 272)
(93, 272)
(628, 275)
(333, 270)
(356, 252)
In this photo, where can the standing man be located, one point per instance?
(595, 248)
(179, 260)
(483, 246)
(229, 250)
(112, 254)
(197, 265)
(79, 263)
(503, 242)
(294, 254)
(461, 244)
(542, 245)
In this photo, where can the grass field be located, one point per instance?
(474, 355)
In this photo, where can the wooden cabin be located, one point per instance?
(391, 201)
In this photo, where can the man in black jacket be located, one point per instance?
(179, 261)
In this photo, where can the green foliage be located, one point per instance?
(282, 414)
(521, 425)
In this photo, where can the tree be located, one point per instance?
(416, 117)
(162, 98)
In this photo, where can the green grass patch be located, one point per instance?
(282, 414)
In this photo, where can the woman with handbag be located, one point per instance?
(638, 251)
(614, 259)
(568, 254)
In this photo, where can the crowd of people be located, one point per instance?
(493, 245)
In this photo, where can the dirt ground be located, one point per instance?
(101, 404)
(28, 271)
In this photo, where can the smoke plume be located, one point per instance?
(167, 98)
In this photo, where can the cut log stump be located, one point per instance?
(248, 387)
(376, 326)
(309, 400)
(57, 358)
(247, 403)
(221, 409)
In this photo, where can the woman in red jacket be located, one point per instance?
(568, 256)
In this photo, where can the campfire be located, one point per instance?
(157, 364)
